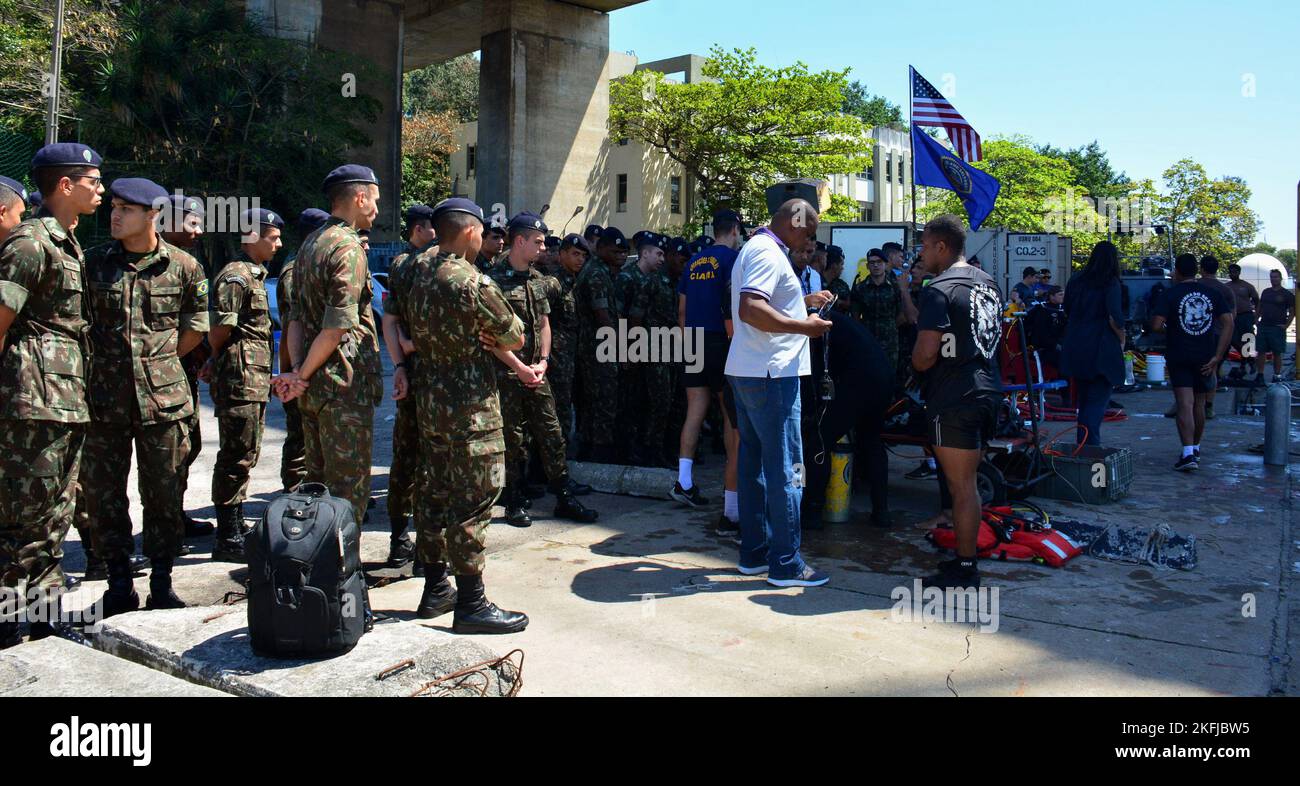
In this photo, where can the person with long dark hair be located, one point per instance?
(1092, 352)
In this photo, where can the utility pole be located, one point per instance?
(56, 65)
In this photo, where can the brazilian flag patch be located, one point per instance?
(203, 288)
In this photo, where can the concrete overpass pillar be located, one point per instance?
(543, 105)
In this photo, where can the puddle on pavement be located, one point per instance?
(876, 551)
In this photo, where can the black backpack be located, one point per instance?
(307, 594)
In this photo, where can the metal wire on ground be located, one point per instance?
(479, 673)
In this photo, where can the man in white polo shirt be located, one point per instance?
(769, 352)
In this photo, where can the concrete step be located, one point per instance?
(57, 667)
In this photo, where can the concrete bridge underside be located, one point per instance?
(543, 92)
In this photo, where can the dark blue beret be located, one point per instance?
(650, 239)
(528, 220)
(139, 191)
(263, 217)
(184, 204)
(35, 200)
(496, 227)
(66, 154)
(593, 229)
(728, 217)
(640, 237)
(575, 241)
(349, 173)
(834, 254)
(552, 241)
(311, 219)
(704, 240)
(613, 235)
(16, 187)
(679, 245)
(418, 213)
(457, 205)
(821, 246)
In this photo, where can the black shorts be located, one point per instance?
(1242, 324)
(713, 374)
(1183, 374)
(966, 427)
(729, 403)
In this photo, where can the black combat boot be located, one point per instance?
(97, 568)
(567, 506)
(516, 508)
(439, 597)
(400, 548)
(120, 597)
(476, 614)
(229, 544)
(161, 595)
(577, 489)
(195, 528)
(244, 526)
(10, 635)
(51, 619)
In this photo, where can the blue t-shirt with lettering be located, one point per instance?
(705, 282)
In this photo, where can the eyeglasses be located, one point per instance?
(94, 181)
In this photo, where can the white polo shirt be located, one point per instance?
(764, 269)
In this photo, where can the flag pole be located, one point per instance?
(911, 123)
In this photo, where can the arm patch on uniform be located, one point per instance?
(202, 288)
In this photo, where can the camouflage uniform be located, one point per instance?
(564, 345)
(524, 410)
(138, 392)
(598, 380)
(877, 307)
(461, 441)
(655, 304)
(402, 475)
(631, 376)
(293, 455)
(843, 294)
(241, 377)
(333, 290)
(43, 412)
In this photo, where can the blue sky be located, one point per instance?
(1152, 82)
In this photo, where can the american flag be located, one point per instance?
(930, 108)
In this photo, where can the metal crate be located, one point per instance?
(1093, 476)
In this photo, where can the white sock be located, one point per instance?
(930, 461)
(1188, 450)
(731, 505)
(1196, 448)
(684, 473)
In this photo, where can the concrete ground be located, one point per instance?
(647, 601)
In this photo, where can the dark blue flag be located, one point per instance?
(934, 165)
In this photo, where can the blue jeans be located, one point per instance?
(769, 492)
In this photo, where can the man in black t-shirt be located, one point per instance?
(958, 330)
(1197, 321)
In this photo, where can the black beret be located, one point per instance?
(593, 229)
(262, 217)
(139, 191)
(528, 220)
(728, 217)
(575, 241)
(495, 228)
(418, 213)
(640, 237)
(349, 173)
(552, 241)
(613, 235)
(704, 240)
(66, 154)
(821, 247)
(652, 239)
(457, 205)
(679, 245)
(834, 254)
(184, 204)
(16, 187)
(311, 219)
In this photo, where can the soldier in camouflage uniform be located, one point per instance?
(494, 239)
(451, 309)
(13, 204)
(837, 285)
(639, 279)
(43, 359)
(333, 342)
(150, 306)
(877, 302)
(241, 375)
(573, 254)
(403, 474)
(596, 307)
(293, 454)
(527, 405)
(654, 306)
(183, 227)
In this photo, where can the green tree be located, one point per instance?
(871, 109)
(744, 128)
(427, 144)
(1092, 170)
(1208, 216)
(843, 208)
(1038, 194)
(443, 87)
(197, 97)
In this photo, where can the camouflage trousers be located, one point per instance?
(337, 435)
(658, 398)
(630, 422)
(459, 487)
(532, 412)
(240, 424)
(160, 451)
(560, 376)
(403, 471)
(38, 476)
(195, 436)
(293, 457)
(599, 404)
